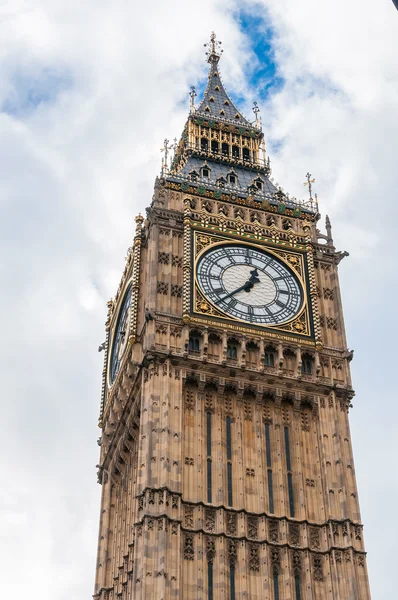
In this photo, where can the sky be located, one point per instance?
(88, 92)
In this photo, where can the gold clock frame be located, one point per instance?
(202, 311)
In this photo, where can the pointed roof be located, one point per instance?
(216, 103)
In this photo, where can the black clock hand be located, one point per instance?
(247, 286)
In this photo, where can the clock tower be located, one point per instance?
(225, 452)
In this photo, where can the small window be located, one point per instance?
(204, 144)
(194, 175)
(205, 172)
(259, 184)
(306, 366)
(225, 149)
(211, 99)
(207, 109)
(246, 154)
(214, 146)
(226, 103)
(237, 116)
(232, 179)
(222, 113)
(216, 89)
(269, 360)
(194, 343)
(215, 74)
(221, 182)
(235, 151)
(286, 224)
(232, 351)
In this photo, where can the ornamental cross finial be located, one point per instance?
(192, 95)
(256, 110)
(165, 149)
(309, 182)
(213, 47)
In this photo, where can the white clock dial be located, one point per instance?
(249, 284)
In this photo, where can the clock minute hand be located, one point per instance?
(247, 286)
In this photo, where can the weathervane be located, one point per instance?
(165, 149)
(213, 47)
(192, 95)
(309, 182)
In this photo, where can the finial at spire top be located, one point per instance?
(213, 52)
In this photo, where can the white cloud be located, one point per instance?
(90, 90)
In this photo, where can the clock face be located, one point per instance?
(120, 336)
(249, 284)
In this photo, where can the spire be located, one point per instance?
(216, 103)
(329, 231)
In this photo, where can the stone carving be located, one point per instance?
(338, 556)
(231, 524)
(273, 531)
(189, 553)
(252, 527)
(176, 261)
(345, 528)
(254, 558)
(331, 323)
(210, 520)
(328, 294)
(189, 461)
(250, 472)
(358, 532)
(189, 399)
(151, 497)
(163, 258)
(162, 288)
(247, 408)
(315, 541)
(360, 560)
(141, 503)
(294, 534)
(151, 524)
(296, 560)
(317, 567)
(174, 501)
(275, 560)
(188, 517)
(232, 553)
(176, 290)
(310, 482)
(174, 529)
(210, 549)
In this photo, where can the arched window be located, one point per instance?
(269, 359)
(306, 365)
(251, 354)
(232, 350)
(225, 149)
(286, 224)
(194, 343)
(204, 144)
(214, 146)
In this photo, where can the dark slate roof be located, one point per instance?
(217, 100)
(245, 177)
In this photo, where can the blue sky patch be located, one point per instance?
(31, 90)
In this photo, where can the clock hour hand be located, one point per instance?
(247, 286)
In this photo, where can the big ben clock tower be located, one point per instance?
(225, 456)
